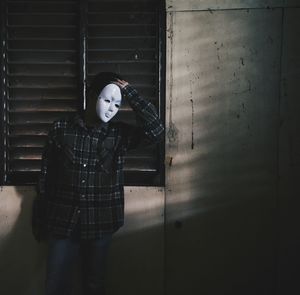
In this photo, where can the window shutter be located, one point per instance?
(42, 72)
(45, 71)
(123, 38)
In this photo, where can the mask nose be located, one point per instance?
(110, 108)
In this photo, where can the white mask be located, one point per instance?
(108, 102)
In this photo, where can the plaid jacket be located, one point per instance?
(81, 178)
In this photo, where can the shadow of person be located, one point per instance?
(22, 259)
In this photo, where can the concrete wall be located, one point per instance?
(227, 220)
(232, 147)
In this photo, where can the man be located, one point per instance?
(80, 200)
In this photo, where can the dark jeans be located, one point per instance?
(62, 256)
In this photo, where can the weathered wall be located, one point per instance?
(232, 147)
(136, 256)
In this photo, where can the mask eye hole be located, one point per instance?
(106, 100)
(117, 105)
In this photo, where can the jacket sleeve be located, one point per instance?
(149, 126)
(44, 186)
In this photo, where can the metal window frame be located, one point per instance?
(4, 96)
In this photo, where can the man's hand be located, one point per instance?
(121, 83)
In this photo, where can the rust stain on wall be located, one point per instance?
(192, 144)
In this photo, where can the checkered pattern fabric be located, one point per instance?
(81, 178)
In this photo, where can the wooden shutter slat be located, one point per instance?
(36, 71)
(95, 18)
(26, 154)
(25, 166)
(121, 55)
(42, 93)
(122, 6)
(42, 82)
(54, 32)
(124, 68)
(42, 6)
(58, 44)
(98, 43)
(29, 129)
(119, 31)
(42, 105)
(42, 19)
(27, 141)
(36, 117)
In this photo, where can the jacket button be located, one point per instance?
(78, 211)
(84, 165)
